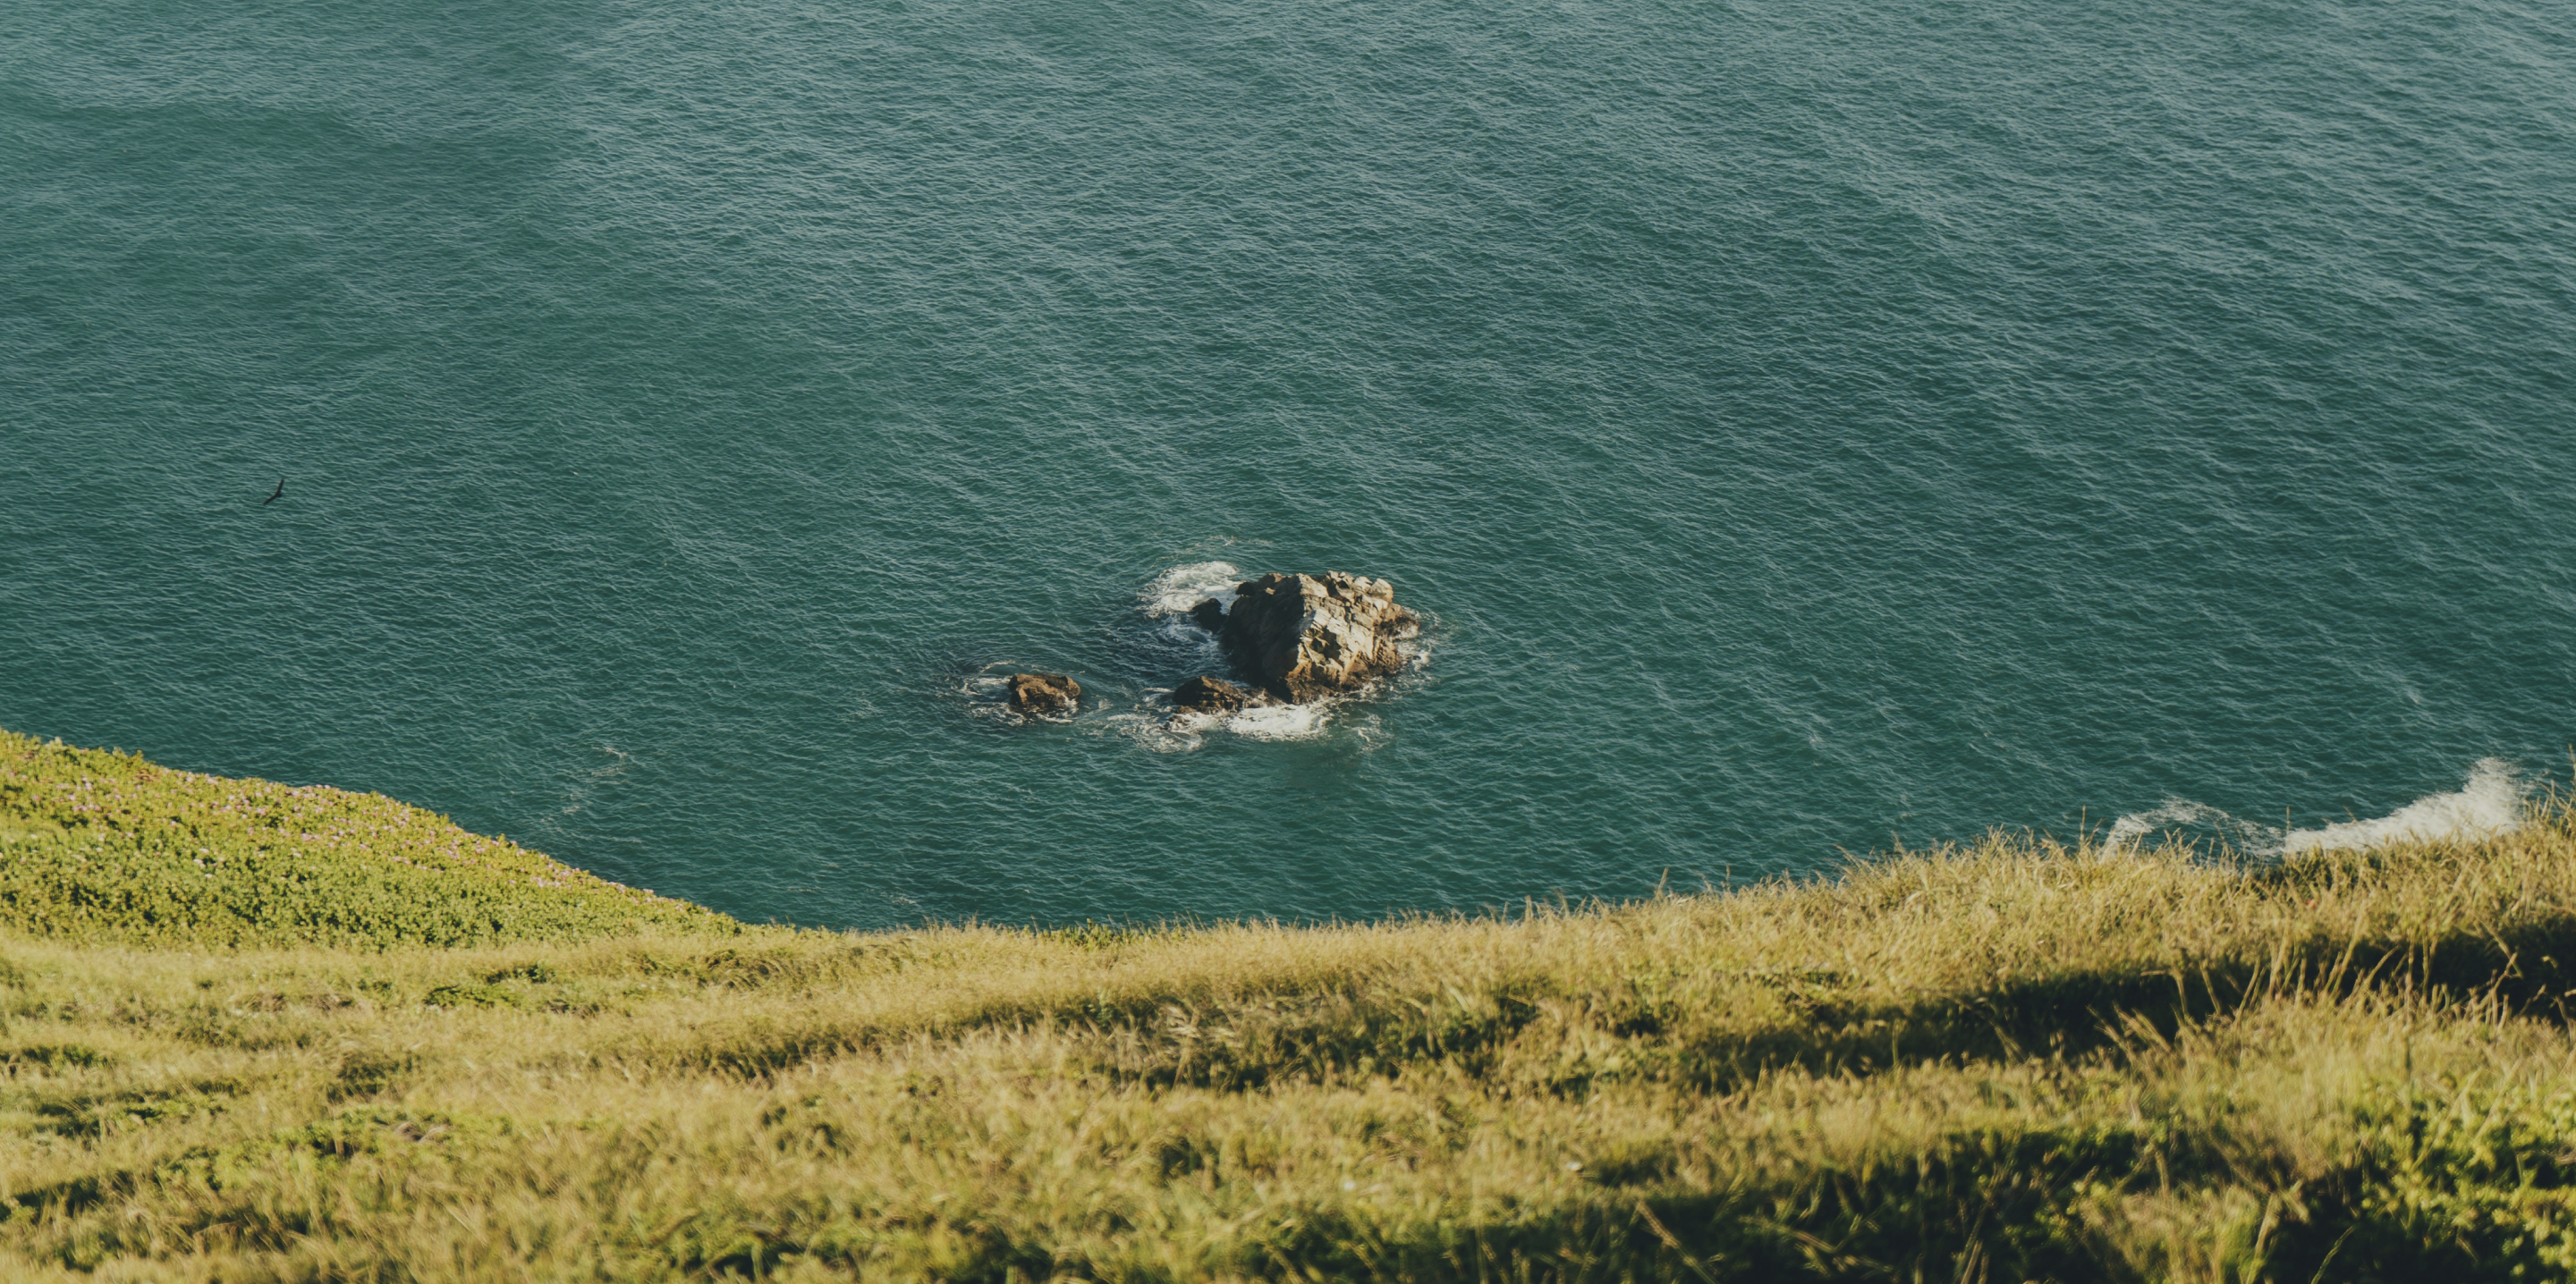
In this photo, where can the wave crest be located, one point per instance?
(2488, 804)
(1175, 591)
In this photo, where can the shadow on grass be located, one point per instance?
(1328, 1032)
(2526, 971)
(1983, 1206)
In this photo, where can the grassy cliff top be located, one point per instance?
(2008, 1061)
(103, 846)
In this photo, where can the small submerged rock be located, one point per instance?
(1204, 694)
(1044, 693)
(1298, 637)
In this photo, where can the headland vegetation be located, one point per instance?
(257, 1032)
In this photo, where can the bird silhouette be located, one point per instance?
(272, 495)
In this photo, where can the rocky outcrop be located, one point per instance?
(1212, 695)
(1302, 636)
(1210, 615)
(1044, 693)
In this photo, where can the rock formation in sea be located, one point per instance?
(1044, 693)
(1205, 694)
(1210, 615)
(1297, 637)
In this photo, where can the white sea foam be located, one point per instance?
(1186, 729)
(2490, 803)
(1280, 721)
(1162, 735)
(1170, 599)
(1175, 591)
(988, 696)
(2128, 829)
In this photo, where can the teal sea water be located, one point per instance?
(1805, 424)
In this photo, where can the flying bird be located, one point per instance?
(272, 495)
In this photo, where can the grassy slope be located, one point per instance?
(2010, 1062)
(105, 846)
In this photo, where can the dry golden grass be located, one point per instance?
(2014, 1061)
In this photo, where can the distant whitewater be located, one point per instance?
(1168, 602)
(1175, 591)
(2489, 804)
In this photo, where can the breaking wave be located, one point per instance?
(1279, 721)
(1175, 591)
(2488, 804)
(1176, 645)
(1184, 731)
(2178, 814)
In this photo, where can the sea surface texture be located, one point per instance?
(1806, 427)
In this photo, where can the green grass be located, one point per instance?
(99, 846)
(2010, 1061)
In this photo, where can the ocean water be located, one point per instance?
(1807, 426)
